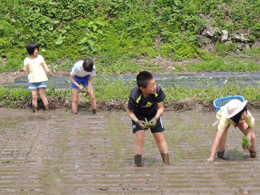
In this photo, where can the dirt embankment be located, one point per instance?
(121, 105)
(112, 105)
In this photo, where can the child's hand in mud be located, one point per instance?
(210, 160)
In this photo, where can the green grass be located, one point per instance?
(120, 91)
(114, 33)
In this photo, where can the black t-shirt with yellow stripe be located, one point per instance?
(142, 105)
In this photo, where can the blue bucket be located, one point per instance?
(218, 103)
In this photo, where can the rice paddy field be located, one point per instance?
(57, 152)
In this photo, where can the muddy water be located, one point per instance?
(59, 153)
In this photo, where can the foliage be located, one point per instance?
(228, 64)
(14, 97)
(118, 89)
(223, 48)
(116, 30)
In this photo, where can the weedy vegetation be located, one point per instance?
(116, 33)
(203, 90)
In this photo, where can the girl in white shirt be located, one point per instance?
(37, 68)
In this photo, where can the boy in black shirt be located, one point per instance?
(146, 101)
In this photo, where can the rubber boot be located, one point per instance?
(252, 154)
(74, 111)
(221, 154)
(165, 158)
(94, 111)
(138, 160)
(34, 108)
(47, 107)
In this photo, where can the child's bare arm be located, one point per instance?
(72, 78)
(159, 112)
(249, 135)
(25, 68)
(90, 88)
(160, 109)
(131, 115)
(214, 146)
(45, 67)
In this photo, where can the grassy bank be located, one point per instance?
(235, 61)
(115, 33)
(125, 37)
(119, 91)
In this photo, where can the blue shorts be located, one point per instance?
(79, 80)
(33, 86)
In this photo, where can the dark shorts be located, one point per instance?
(79, 80)
(158, 128)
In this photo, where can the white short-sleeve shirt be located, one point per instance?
(80, 72)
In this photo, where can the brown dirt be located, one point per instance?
(114, 105)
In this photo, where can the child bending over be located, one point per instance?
(234, 112)
(82, 73)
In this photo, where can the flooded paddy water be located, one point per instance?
(57, 152)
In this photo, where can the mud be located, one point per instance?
(57, 152)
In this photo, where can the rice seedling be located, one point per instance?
(245, 143)
(148, 123)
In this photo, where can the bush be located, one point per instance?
(114, 30)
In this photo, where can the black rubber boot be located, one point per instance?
(252, 154)
(138, 160)
(94, 111)
(165, 157)
(47, 108)
(74, 111)
(221, 154)
(34, 108)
